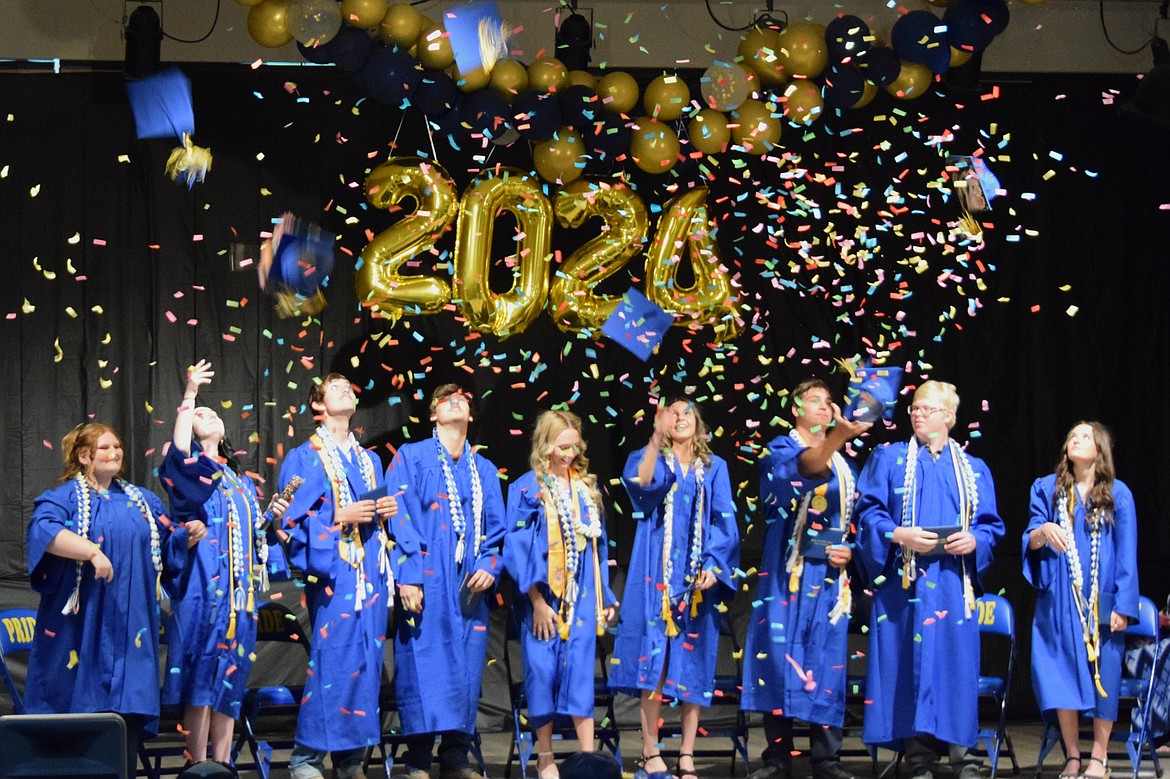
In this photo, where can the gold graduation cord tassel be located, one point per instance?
(566, 614)
(231, 628)
(797, 571)
(667, 618)
(907, 567)
(597, 590)
(696, 599)
(251, 608)
(1093, 645)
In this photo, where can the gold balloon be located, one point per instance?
(686, 229)
(618, 92)
(561, 158)
(1035, 2)
(912, 81)
(653, 145)
(378, 282)
(401, 25)
(268, 23)
(666, 97)
(755, 126)
(867, 96)
(709, 132)
(803, 49)
(491, 193)
(581, 78)
(470, 82)
(366, 14)
(959, 57)
(547, 74)
(572, 301)
(434, 48)
(249, 3)
(803, 103)
(759, 51)
(509, 78)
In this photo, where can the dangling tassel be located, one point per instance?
(72, 605)
(231, 628)
(696, 599)
(1097, 680)
(844, 603)
(597, 590)
(190, 161)
(566, 620)
(968, 593)
(907, 568)
(668, 623)
(251, 605)
(795, 573)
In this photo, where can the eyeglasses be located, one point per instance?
(925, 411)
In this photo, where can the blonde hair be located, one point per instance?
(83, 438)
(942, 393)
(549, 425)
(699, 446)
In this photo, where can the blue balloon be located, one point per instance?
(607, 138)
(847, 38)
(487, 114)
(921, 37)
(389, 75)
(881, 65)
(844, 86)
(536, 115)
(580, 107)
(436, 93)
(347, 50)
(973, 24)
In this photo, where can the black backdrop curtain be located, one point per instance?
(116, 280)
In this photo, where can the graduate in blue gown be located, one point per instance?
(449, 538)
(99, 551)
(668, 635)
(1080, 553)
(340, 543)
(556, 552)
(923, 663)
(216, 610)
(797, 639)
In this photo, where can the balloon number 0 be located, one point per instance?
(685, 230)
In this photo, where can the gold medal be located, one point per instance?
(819, 503)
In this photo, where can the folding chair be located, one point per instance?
(997, 618)
(17, 628)
(523, 738)
(733, 725)
(276, 625)
(1136, 692)
(56, 746)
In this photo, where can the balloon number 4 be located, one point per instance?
(685, 230)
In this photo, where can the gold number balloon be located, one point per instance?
(572, 301)
(685, 226)
(378, 281)
(492, 192)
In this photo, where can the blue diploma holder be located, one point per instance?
(944, 532)
(1104, 607)
(815, 543)
(374, 494)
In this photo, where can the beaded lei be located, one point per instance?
(455, 501)
(695, 554)
(1086, 607)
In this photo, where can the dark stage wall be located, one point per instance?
(115, 280)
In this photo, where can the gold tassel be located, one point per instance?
(189, 161)
(695, 601)
(231, 629)
(794, 577)
(668, 622)
(251, 608)
(563, 630)
(289, 304)
(1097, 681)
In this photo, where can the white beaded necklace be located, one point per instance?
(695, 554)
(1086, 607)
(455, 501)
(82, 487)
(349, 545)
(572, 525)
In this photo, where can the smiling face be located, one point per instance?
(682, 423)
(1081, 445)
(565, 449)
(103, 462)
(813, 410)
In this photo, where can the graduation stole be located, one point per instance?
(455, 500)
(1087, 610)
(240, 563)
(815, 498)
(349, 545)
(82, 488)
(565, 544)
(694, 555)
(968, 504)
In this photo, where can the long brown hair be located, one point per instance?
(1101, 495)
(699, 446)
(83, 438)
(549, 425)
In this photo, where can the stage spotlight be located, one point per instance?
(574, 40)
(144, 36)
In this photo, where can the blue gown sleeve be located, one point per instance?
(406, 561)
(53, 511)
(172, 538)
(646, 497)
(1038, 563)
(189, 481)
(986, 525)
(1125, 577)
(308, 520)
(721, 550)
(526, 543)
(607, 597)
(875, 516)
(495, 525)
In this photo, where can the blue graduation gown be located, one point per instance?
(339, 710)
(439, 654)
(558, 675)
(642, 645)
(208, 668)
(1061, 674)
(105, 657)
(923, 664)
(795, 625)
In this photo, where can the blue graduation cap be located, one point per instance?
(162, 109)
(872, 393)
(477, 35)
(637, 324)
(295, 266)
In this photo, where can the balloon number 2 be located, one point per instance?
(685, 232)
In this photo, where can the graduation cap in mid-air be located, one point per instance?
(637, 324)
(295, 264)
(872, 393)
(479, 38)
(163, 109)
